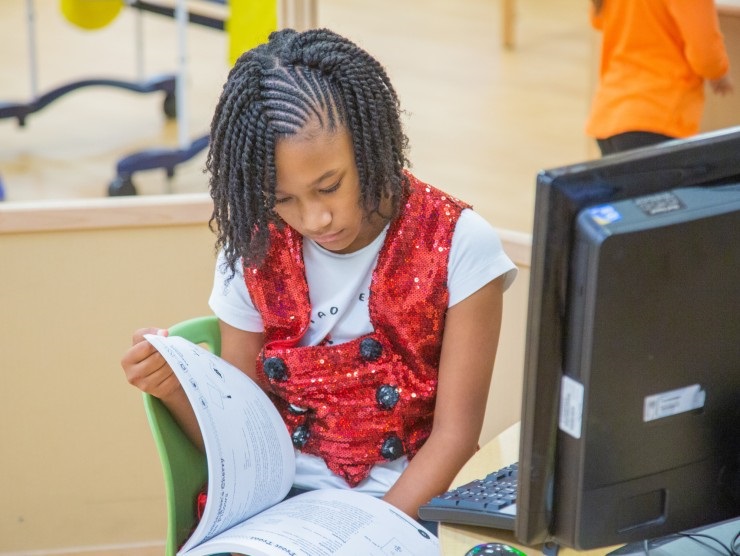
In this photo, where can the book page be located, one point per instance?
(329, 522)
(251, 460)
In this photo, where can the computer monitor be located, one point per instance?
(630, 425)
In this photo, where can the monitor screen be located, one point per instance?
(631, 405)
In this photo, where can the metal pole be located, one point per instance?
(32, 62)
(181, 18)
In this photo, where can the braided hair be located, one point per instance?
(273, 91)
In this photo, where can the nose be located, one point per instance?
(315, 217)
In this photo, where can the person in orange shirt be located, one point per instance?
(656, 55)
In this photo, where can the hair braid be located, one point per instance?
(274, 91)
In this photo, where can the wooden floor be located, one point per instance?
(482, 120)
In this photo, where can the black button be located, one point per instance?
(300, 436)
(370, 349)
(387, 396)
(392, 448)
(275, 368)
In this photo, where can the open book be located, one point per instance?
(251, 465)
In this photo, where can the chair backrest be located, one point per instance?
(183, 465)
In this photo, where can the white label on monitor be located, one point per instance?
(673, 402)
(571, 407)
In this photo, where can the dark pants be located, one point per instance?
(630, 140)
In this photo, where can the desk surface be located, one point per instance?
(455, 540)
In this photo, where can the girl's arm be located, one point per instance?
(240, 348)
(469, 346)
(702, 40)
(146, 369)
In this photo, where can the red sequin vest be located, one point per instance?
(369, 400)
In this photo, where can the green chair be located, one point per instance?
(183, 465)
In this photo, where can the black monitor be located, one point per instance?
(630, 424)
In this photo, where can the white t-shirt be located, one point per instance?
(339, 286)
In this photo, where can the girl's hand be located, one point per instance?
(722, 86)
(145, 367)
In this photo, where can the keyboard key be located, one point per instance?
(487, 502)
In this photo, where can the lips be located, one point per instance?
(327, 238)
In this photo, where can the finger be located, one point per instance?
(139, 334)
(160, 382)
(141, 360)
(148, 373)
(168, 383)
(139, 351)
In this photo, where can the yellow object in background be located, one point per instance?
(250, 22)
(90, 14)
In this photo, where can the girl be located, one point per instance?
(366, 303)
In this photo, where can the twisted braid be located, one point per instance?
(273, 91)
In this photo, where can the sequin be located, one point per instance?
(347, 389)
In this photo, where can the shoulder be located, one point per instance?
(477, 256)
(422, 192)
(472, 227)
(475, 238)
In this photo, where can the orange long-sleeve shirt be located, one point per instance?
(655, 57)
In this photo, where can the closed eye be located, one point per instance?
(331, 189)
(326, 191)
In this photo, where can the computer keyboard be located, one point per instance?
(488, 502)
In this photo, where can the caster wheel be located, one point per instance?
(170, 106)
(120, 187)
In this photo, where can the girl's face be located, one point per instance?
(318, 190)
